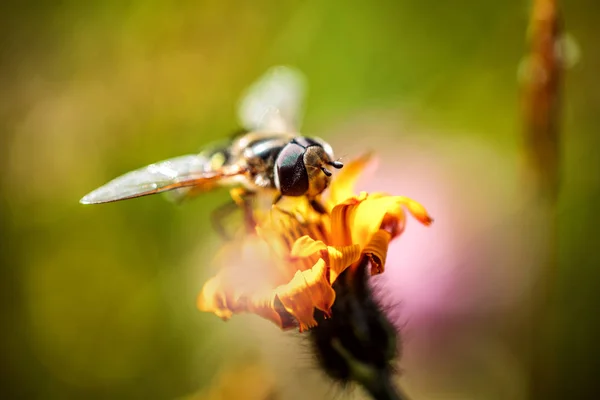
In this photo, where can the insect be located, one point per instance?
(268, 157)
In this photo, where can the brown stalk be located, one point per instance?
(541, 103)
(541, 97)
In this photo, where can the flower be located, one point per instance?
(285, 269)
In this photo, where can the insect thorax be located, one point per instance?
(260, 155)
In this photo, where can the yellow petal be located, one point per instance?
(365, 218)
(307, 246)
(358, 219)
(342, 187)
(415, 208)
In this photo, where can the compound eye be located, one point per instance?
(326, 146)
(290, 172)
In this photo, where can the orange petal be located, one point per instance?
(341, 234)
(306, 291)
(394, 222)
(296, 299)
(321, 292)
(262, 304)
(213, 299)
(217, 300)
(416, 209)
(337, 258)
(341, 257)
(377, 250)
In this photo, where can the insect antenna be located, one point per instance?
(336, 164)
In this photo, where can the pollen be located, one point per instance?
(285, 268)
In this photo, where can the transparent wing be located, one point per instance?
(275, 102)
(180, 172)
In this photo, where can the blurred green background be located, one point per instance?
(99, 302)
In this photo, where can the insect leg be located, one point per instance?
(243, 199)
(318, 206)
(218, 217)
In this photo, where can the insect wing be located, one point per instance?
(274, 103)
(175, 173)
(218, 155)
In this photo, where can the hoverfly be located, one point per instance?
(270, 156)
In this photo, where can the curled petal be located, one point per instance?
(306, 291)
(263, 304)
(307, 246)
(357, 220)
(377, 250)
(394, 223)
(366, 217)
(214, 298)
(321, 292)
(416, 209)
(341, 234)
(338, 258)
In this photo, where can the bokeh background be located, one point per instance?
(99, 302)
